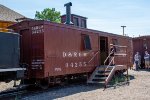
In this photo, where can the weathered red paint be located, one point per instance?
(56, 49)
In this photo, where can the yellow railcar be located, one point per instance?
(4, 25)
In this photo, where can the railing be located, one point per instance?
(114, 67)
(114, 54)
(110, 76)
(109, 64)
(112, 72)
(107, 57)
(93, 56)
(119, 46)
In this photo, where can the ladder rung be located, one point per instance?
(101, 82)
(100, 74)
(119, 46)
(120, 65)
(120, 54)
(99, 77)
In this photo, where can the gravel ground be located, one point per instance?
(139, 89)
(7, 86)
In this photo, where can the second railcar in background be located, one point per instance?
(9, 57)
(141, 44)
(55, 51)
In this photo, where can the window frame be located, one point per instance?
(76, 21)
(86, 42)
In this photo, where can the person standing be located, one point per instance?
(112, 53)
(137, 58)
(147, 58)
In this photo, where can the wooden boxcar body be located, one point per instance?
(57, 50)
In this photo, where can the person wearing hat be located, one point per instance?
(112, 53)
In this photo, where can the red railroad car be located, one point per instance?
(53, 51)
(141, 44)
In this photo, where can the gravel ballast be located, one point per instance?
(138, 89)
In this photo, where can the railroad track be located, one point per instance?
(24, 92)
(12, 94)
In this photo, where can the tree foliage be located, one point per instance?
(48, 14)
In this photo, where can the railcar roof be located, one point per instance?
(7, 14)
(102, 33)
(141, 37)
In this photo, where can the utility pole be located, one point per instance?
(123, 29)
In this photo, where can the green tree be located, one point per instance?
(48, 14)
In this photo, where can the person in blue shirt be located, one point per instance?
(147, 60)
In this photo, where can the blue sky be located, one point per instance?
(103, 15)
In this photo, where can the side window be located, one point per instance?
(76, 21)
(83, 23)
(115, 41)
(145, 44)
(86, 43)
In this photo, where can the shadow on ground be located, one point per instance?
(131, 77)
(147, 70)
(63, 91)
